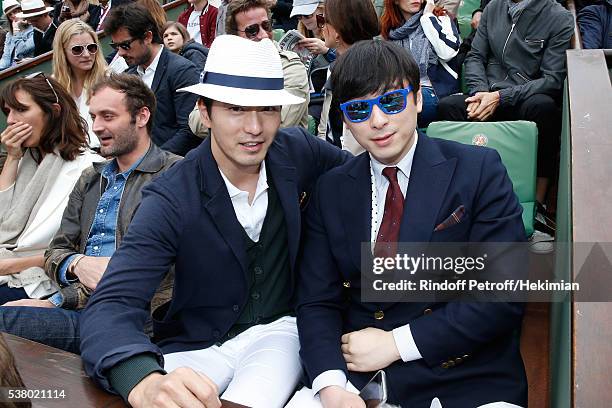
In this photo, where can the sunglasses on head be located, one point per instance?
(390, 103)
(124, 45)
(78, 50)
(34, 75)
(320, 20)
(252, 30)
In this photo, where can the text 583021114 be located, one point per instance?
(16, 394)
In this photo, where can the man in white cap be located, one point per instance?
(228, 218)
(37, 14)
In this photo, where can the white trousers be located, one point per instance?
(258, 368)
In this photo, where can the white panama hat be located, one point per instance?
(9, 5)
(32, 8)
(304, 7)
(244, 73)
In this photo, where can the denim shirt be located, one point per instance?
(101, 241)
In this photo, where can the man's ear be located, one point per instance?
(148, 38)
(142, 117)
(204, 114)
(419, 101)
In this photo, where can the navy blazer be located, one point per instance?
(186, 218)
(170, 122)
(481, 338)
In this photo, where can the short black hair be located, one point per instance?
(135, 18)
(371, 67)
(137, 94)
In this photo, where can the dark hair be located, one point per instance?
(354, 20)
(180, 28)
(137, 94)
(135, 18)
(239, 6)
(354, 74)
(65, 130)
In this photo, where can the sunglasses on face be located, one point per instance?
(124, 45)
(321, 20)
(252, 30)
(390, 103)
(34, 75)
(78, 50)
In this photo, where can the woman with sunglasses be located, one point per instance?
(345, 23)
(46, 144)
(432, 38)
(176, 39)
(19, 41)
(78, 64)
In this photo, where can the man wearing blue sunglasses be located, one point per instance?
(407, 188)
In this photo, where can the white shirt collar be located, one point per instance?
(153, 65)
(404, 165)
(262, 183)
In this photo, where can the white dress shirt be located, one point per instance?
(251, 216)
(148, 74)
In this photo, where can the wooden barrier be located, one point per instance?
(590, 100)
(47, 368)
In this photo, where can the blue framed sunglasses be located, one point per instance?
(390, 103)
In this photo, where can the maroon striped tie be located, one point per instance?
(388, 234)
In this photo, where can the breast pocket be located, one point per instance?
(455, 233)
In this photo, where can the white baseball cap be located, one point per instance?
(304, 7)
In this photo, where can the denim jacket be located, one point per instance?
(17, 46)
(73, 233)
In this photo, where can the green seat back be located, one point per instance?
(516, 143)
(312, 125)
(464, 17)
(278, 33)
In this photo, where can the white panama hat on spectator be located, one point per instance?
(304, 7)
(244, 73)
(33, 8)
(9, 5)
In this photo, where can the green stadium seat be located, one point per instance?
(465, 16)
(312, 125)
(278, 33)
(516, 143)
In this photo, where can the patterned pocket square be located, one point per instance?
(453, 219)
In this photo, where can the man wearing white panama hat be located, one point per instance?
(228, 218)
(37, 14)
